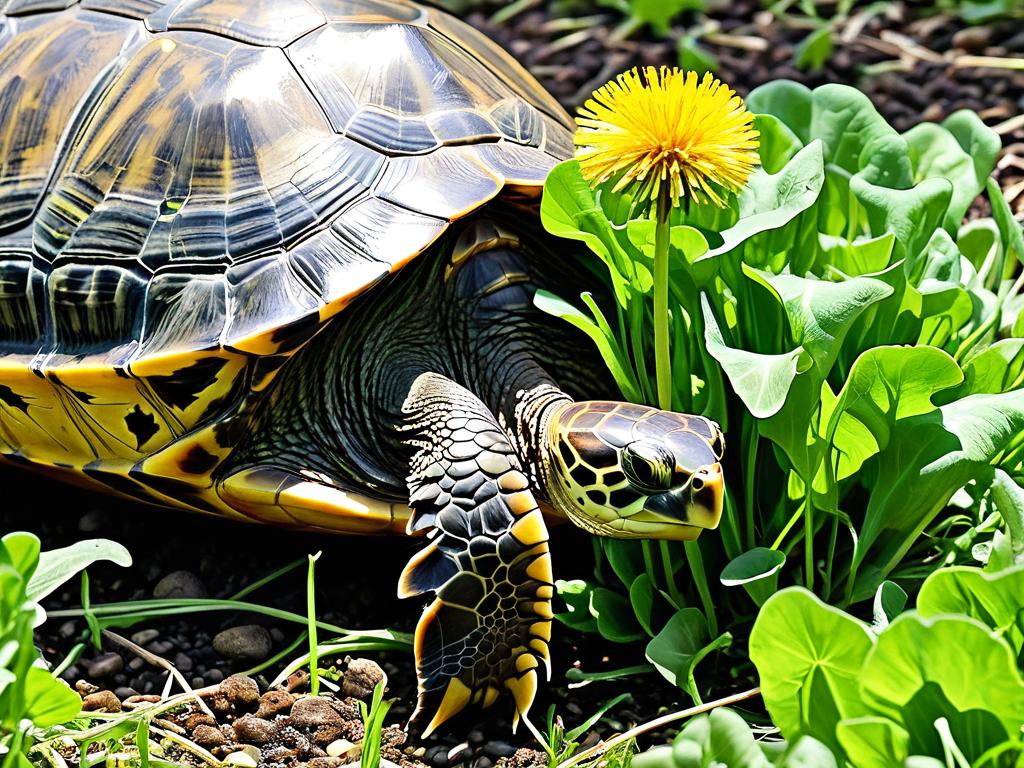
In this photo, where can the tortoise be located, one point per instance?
(275, 260)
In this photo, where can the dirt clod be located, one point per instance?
(361, 678)
(524, 758)
(274, 703)
(240, 691)
(208, 736)
(254, 730)
(101, 701)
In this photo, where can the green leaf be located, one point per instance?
(998, 368)
(808, 656)
(48, 701)
(807, 753)
(1008, 498)
(936, 153)
(821, 312)
(1010, 230)
(860, 257)
(641, 597)
(615, 619)
(762, 382)
(911, 214)
(576, 594)
(980, 142)
(695, 57)
(811, 53)
(22, 551)
(677, 649)
(873, 742)
(954, 667)
(994, 599)
(928, 458)
(890, 600)
(757, 571)
(661, 13)
(885, 385)
(57, 566)
(722, 738)
(777, 143)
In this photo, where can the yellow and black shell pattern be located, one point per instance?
(190, 189)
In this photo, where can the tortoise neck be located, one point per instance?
(533, 411)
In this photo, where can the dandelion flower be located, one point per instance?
(668, 131)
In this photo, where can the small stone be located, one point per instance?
(249, 642)
(241, 691)
(437, 755)
(241, 759)
(361, 677)
(71, 674)
(483, 762)
(183, 662)
(145, 636)
(101, 701)
(476, 737)
(338, 747)
(313, 712)
(197, 683)
(274, 703)
(124, 692)
(197, 719)
(67, 629)
(84, 687)
(208, 736)
(254, 730)
(136, 664)
(105, 665)
(499, 749)
(213, 676)
(179, 585)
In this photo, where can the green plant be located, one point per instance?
(373, 722)
(944, 681)
(561, 744)
(31, 698)
(872, 345)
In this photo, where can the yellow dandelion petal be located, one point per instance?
(670, 133)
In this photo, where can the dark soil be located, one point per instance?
(912, 67)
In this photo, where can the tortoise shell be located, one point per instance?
(190, 189)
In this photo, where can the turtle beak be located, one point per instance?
(697, 505)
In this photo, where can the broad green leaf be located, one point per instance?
(660, 13)
(56, 566)
(48, 701)
(723, 738)
(1008, 498)
(762, 382)
(994, 599)
(757, 571)
(626, 558)
(615, 619)
(22, 551)
(641, 597)
(954, 667)
(890, 600)
(808, 656)
(979, 141)
(1010, 230)
(885, 385)
(770, 201)
(777, 144)
(695, 57)
(860, 257)
(936, 153)
(789, 101)
(821, 312)
(807, 753)
(928, 458)
(873, 742)
(681, 644)
(576, 594)
(912, 215)
(980, 242)
(813, 51)
(998, 368)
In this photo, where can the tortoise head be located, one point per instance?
(630, 471)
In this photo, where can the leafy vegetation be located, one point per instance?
(373, 722)
(31, 698)
(861, 346)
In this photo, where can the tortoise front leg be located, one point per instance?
(487, 562)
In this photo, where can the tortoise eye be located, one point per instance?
(648, 466)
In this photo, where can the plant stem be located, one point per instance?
(670, 574)
(696, 562)
(750, 474)
(809, 539)
(314, 660)
(662, 361)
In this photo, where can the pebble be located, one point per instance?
(460, 753)
(241, 759)
(67, 629)
(101, 701)
(254, 730)
(213, 676)
(84, 687)
(183, 662)
(483, 762)
(361, 677)
(240, 690)
(437, 756)
(136, 664)
(124, 692)
(71, 674)
(499, 749)
(145, 636)
(476, 737)
(197, 719)
(208, 736)
(338, 747)
(249, 642)
(198, 682)
(179, 585)
(274, 703)
(105, 665)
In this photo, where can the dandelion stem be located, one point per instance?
(662, 360)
